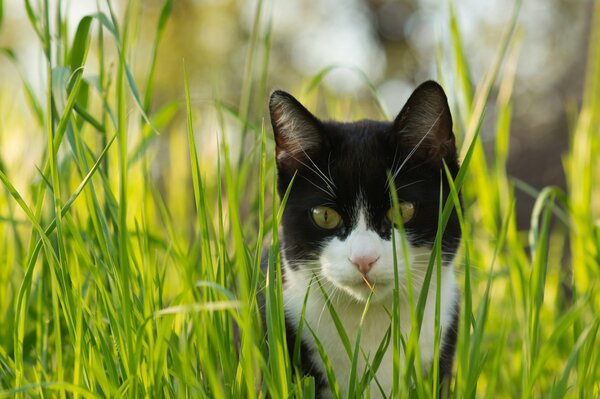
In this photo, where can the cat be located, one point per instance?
(336, 229)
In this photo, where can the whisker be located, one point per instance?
(410, 184)
(319, 187)
(317, 171)
(329, 168)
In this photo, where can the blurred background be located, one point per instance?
(395, 43)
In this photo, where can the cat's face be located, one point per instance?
(337, 223)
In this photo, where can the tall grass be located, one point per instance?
(114, 284)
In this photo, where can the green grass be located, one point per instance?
(113, 284)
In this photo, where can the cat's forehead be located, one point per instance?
(362, 144)
(355, 162)
(354, 134)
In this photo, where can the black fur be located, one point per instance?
(448, 348)
(305, 364)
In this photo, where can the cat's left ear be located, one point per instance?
(297, 131)
(424, 125)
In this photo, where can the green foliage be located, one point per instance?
(116, 284)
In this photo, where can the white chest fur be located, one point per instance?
(374, 327)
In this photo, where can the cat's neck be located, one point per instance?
(374, 324)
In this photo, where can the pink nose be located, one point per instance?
(364, 263)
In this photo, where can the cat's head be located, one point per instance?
(337, 221)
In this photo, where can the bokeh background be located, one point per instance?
(394, 42)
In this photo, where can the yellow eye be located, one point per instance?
(407, 211)
(326, 217)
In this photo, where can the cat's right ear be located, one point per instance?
(297, 131)
(425, 124)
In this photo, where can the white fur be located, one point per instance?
(348, 292)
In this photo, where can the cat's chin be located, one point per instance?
(380, 292)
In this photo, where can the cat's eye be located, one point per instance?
(407, 211)
(325, 217)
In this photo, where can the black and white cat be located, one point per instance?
(337, 228)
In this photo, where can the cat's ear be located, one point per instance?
(424, 125)
(297, 131)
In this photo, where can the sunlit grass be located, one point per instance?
(115, 283)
